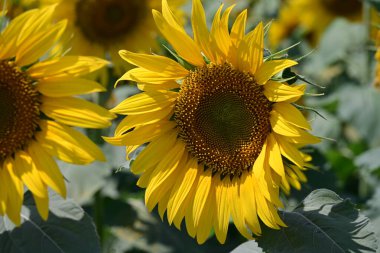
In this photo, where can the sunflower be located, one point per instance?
(221, 136)
(16, 7)
(102, 27)
(37, 110)
(312, 16)
(377, 59)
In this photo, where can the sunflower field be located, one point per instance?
(165, 126)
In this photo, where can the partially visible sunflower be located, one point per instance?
(37, 110)
(102, 27)
(222, 136)
(377, 58)
(312, 16)
(16, 7)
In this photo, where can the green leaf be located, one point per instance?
(375, 3)
(359, 106)
(369, 160)
(322, 222)
(248, 247)
(350, 37)
(373, 212)
(85, 181)
(68, 229)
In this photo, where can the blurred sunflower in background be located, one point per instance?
(312, 17)
(222, 135)
(377, 58)
(37, 110)
(102, 27)
(16, 7)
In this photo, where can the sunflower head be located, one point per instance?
(37, 108)
(101, 27)
(222, 133)
(311, 17)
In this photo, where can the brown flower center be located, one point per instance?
(343, 8)
(108, 21)
(223, 117)
(19, 109)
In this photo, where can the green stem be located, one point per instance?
(99, 215)
(96, 136)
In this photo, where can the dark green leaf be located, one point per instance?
(373, 212)
(323, 222)
(68, 229)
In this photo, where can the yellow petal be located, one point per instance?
(144, 179)
(170, 85)
(278, 92)
(38, 44)
(181, 42)
(141, 134)
(141, 75)
(275, 159)
(42, 204)
(145, 102)
(129, 150)
(132, 121)
(185, 207)
(67, 144)
(66, 66)
(154, 152)
(182, 188)
(47, 168)
(191, 229)
(76, 112)
(270, 68)
(65, 87)
(265, 210)
(237, 35)
(222, 209)
(258, 166)
(248, 199)
(39, 21)
(15, 189)
(164, 175)
(162, 204)
(290, 151)
(26, 169)
(203, 190)
(250, 50)
(169, 16)
(201, 33)
(237, 212)
(207, 218)
(304, 138)
(160, 64)
(3, 191)
(238, 28)
(12, 32)
(220, 41)
(281, 126)
(291, 115)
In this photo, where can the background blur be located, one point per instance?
(337, 54)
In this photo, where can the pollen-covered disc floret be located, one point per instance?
(224, 118)
(19, 109)
(108, 21)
